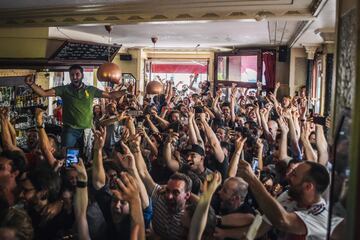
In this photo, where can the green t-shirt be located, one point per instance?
(77, 105)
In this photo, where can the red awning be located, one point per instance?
(178, 68)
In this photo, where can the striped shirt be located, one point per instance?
(166, 224)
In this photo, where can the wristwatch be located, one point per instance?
(40, 126)
(218, 220)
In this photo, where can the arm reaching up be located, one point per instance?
(7, 139)
(310, 154)
(98, 171)
(168, 156)
(127, 161)
(322, 145)
(239, 145)
(283, 139)
(30, 81)
(43, 138)
(129, 191)
(199, 219)
(81, 202)
(214, 141)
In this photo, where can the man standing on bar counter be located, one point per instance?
(77, 104)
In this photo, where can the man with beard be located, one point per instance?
(39, 190)
(300, 212)
(232, 196)
(169, 207)
(77, 104)
(232, 209)
(193, 166)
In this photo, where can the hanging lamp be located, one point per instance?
(109, 72)
(154, 87)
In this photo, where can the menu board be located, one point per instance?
(84, 51)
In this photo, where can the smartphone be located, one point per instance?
(263, 93)
(255, 164)
(72, 157)
(199, 109)
(320, 120)
(311, 112)
(134, 113)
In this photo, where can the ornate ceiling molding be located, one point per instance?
(327, 34)
(315, 8)
(130, 13)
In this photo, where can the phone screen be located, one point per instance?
(255, 164)
(72, 156)
(320, 120)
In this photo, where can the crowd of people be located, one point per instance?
(193, 166)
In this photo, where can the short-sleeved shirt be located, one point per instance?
(166, 224)
(77, 105)
(315, 218)
(197, 179)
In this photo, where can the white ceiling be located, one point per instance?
(208, 34)
(326, 19)
(276, 26)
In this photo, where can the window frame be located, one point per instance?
(238, 52)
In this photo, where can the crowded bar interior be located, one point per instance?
(188, 119)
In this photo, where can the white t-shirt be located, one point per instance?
(315, 218)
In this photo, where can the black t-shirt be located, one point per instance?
(103, 197)
(214, 165)
(197, 179)
(58, 226)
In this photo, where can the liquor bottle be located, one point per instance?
(1, 97)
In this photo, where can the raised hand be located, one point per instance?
(263, 111)
(287, 114)
(154, 112)
(239, 143)
(259, 143)
(306, 131)
(219, 93)
(39, 116)
(212, 182)
(172, 137)
(277, 85)
(3, 113)
(81, 170)
(283, 126)
(245, 171)
(203, 116)
(100, 136)
(129, 190)
(29, 79)
(127, 160)
(191, 113)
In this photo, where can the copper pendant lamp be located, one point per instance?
(154, 87)
(109, 72)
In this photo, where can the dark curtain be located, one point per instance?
(269, 60)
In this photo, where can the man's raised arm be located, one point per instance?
(30, 81)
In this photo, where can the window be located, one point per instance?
(179, 70)
(242, 67)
